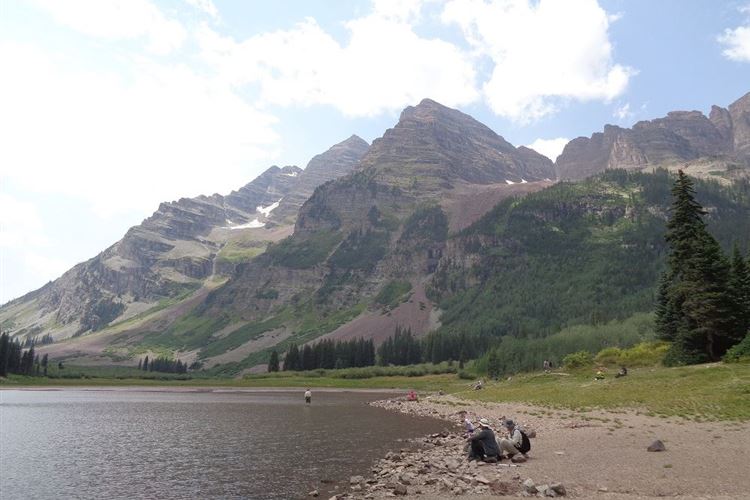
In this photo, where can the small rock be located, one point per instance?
(531, 434)
(356, 479)
(560, 453)
(314, 493)
(529, 486)
(400, 489)
(542, 488)
(518, 459)
(603, 489)
(657, 446)
(482, 480)
(559, 489)
(356, 487)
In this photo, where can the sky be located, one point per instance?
(109, 107)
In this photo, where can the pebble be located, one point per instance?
(656, 446)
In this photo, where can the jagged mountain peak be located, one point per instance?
(434, 141)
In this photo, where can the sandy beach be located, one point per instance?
(593, 454)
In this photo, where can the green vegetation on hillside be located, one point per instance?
(580, 253)
(520, 354)
(392, 293)
(303, 253)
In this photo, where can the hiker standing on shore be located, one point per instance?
(308, 396)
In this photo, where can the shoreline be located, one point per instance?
(194, 389)
(592, 454)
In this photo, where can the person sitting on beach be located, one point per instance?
(515, 442)
(483, 444)
(308, 396)
(478, 385)
(623, 371)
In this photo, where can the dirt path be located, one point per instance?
(594, 454)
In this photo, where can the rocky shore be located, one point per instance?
(580, 454)
(437, 466)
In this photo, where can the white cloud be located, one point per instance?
(736, 41)
(542, 53)
(384, 66)
(551, 148)
(623, 112)
(119, 20)
(205, 6)
(125, 142)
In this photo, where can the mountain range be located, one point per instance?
(438, 218)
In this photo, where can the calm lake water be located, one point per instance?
(222, 444)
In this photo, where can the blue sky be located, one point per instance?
(108, 107)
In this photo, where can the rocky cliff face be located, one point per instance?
(176, 249)
(682, 139)
(338, 161)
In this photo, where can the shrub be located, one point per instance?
(644, 354)
(464, 375)
(578, 359)
(739, 352)
(609, 356)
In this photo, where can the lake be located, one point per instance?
(145, 443)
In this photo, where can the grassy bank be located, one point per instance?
(701, 392)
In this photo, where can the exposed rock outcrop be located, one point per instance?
(682, 137)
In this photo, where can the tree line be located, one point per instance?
(327, 354)
(13, 359)
(162, 364)
(401, 348)
(703, 304)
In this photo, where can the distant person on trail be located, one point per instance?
(478, 385)
(623, 371)
(546, 366)
(516, 442)
(483, 444)
(308, 396)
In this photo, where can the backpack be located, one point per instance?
(525, 443)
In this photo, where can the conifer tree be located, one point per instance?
(273, 363)
(739, 288)
(45, 363)
(4, 354)
(694, 308)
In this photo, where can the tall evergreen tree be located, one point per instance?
(45, 363)
(273, 363)
(739, 287)
(694, 308)
(4, 354)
